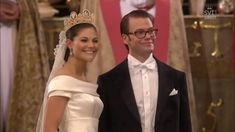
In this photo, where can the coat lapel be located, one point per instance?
(163, 90)
(127, 90)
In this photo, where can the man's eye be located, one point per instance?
(140, 32)
(151, 31)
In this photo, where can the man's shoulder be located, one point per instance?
(116, 70)
(167, 67)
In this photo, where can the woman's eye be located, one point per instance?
(84, 40)
(95, 41)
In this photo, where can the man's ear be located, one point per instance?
(125, 38)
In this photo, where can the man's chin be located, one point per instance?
(150, 50)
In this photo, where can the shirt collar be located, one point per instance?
(133, 62)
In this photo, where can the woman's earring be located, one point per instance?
(71, 52)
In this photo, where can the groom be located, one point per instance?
(142, 94)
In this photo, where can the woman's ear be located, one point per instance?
(69, 43)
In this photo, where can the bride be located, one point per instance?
(71, 103)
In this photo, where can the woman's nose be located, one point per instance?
(91, 44)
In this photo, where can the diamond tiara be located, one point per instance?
(84, 17)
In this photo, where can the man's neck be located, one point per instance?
(141, 58)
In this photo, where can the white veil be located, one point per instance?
(58, 63)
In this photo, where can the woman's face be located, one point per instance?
(85, 44)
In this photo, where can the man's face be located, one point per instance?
(141, 37)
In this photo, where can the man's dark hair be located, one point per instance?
(124, 25)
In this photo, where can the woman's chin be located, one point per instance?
(90, 59)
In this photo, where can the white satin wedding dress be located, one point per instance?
(84, 106)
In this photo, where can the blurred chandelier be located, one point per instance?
(226, 6)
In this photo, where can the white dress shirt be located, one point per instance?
(144, 79)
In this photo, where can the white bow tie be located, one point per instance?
(148, 66)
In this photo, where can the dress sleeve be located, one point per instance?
(59, 87)
(60, 93)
